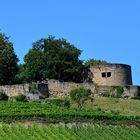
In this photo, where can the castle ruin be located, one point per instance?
(111, 74)
(103, 75)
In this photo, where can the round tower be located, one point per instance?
(111, 74)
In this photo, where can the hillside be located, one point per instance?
(105, 118)
(127, 107)
(55, 110)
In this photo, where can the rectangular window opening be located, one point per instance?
(108, 74)
(103, 74)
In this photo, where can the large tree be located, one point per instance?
(54, 58)
(8, 61)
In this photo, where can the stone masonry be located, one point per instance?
(111, 74)
(103, 75)
(54, 88)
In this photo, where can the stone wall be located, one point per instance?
(129, 91)
(51, 88)
(54, 88)
(111, 74)
(14, 90)
(61, 89)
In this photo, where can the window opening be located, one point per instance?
(103, 74)
(108, 74)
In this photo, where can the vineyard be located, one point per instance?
(49, 121)
(20, 111)
(42, 132)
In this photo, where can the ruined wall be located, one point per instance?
(129, 91)
(111, 74)
(54, 88)
(61, 89)
(51, 88)
(14, 90)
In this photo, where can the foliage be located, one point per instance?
(80, 95)
(20, 98)
(22, 75)
(34, 111)
(106, 94)
(20, 111)
(3, 95)
(8, 61)
(33, 88)
(53, 132)
(114, 91)
(92, 62)
(96, 88)
(54, 59)
(59, 102)
(137, 95)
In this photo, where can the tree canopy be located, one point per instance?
(54, 59)
(49, 58)
(8, 61)
(92, 62)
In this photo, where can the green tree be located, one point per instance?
(22, 75)
(54, 59)
(91, 62)
(8, 61)
(80, 95)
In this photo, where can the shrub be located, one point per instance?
(33, 89)
(3, 95)
(114, 91)
(137, 95)
(21, 98)
(59, 102)
(119, 91)
(96, 88)
(80, 95)
(106, 94)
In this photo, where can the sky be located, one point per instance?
(103, 29)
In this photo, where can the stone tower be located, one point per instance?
(111, 74)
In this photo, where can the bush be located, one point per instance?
(119, 92)
(21, 98)
(3, 95)
(33, 89)
(80, 95)
(105, 94)
(114, 91)
(137, 95)
(59, 102)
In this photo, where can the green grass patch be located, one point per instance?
(127, 107)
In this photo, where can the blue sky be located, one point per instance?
(103, 29)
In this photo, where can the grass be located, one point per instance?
(129, 107)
